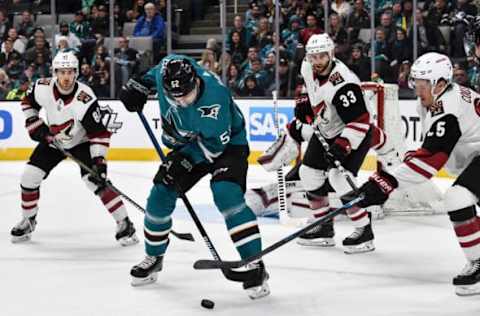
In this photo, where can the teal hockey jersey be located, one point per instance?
(202, 130)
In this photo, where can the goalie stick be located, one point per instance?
(183, 236)
(216, 264)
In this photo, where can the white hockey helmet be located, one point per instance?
(432, 67)
(319, 43)
(65, 60)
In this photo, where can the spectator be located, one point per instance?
(245, 35)
(86, 74)
(252, 55)
(30, 73)
(4, 25)
(256, 71)
(72, 39)
(291, 35)
(18, 41)
(460, 76)
(312, 28)
(39, 46)
(99, 23)
(383, 57)
(42, 65)
(342, 8)
(100, 52)
(252, 17)
(5, 86)
(339, 36)
(209, 61)
(429, 37)
(125, 61)
(8, 53)
(80, 27)
(456, 42)
(268, 77)
(438, 11)
(136, 11)
(263, 35)
(474, 69)
(37, 33)
(406, 19)
(357, 20)
(25, 26)
(251, 88)
(359, 63)
(151, 24)
(19, 92)
(404, 74)
(284, 75)
(233, 78)
(237, 50)
(101, 77)
(401, 49)
(388, 27)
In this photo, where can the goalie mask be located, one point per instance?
(179, 81)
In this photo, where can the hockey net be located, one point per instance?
(385, 108)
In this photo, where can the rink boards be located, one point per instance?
(130, 141)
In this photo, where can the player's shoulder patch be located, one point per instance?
(210, 111)
(84, 97)
(336, 78)
(437, 108)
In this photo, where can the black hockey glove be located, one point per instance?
(175, 166)
(303, 109)
(377, 189)
(38, 130)
(134, 95)
(100, 169)
(295, 130)
(339, 150)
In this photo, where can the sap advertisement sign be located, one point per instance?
(262, 122)
(6, 124)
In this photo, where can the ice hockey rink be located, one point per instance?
(73, 265)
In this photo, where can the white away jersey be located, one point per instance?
(451, 132)
(76, 115)
(338, 103)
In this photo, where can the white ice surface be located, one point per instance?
(73, 265)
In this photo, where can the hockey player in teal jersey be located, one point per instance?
(205, 130)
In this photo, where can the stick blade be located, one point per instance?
(206, 264)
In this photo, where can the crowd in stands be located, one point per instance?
(250, 57)
(27, 51)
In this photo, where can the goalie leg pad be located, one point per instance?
(312, 179)
(281, 153)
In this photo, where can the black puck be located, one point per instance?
(207, 303)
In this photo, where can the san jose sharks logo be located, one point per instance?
(210, 111)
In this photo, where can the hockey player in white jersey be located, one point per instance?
(340, 114)
(450, 116)
(73, 121)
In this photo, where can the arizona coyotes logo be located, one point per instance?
(437, 108)
(84, 97)
(336, 78)
(64, 128)
(211, 111)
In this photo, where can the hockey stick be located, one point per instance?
(183, 236)
(215, 264)
(230, 275)
(281, 186)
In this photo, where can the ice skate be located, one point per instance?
(126, 233)
(361, 240)
(257, 287)
(23, 230)
(468, 281)
(146, 271)
(319, 236)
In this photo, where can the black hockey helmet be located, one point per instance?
(178, 77)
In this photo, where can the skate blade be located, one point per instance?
(318, 242)
(467, 290)
(361, 248)
(259, 291)
(152, 278)
(128, 241)
(20, 239)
